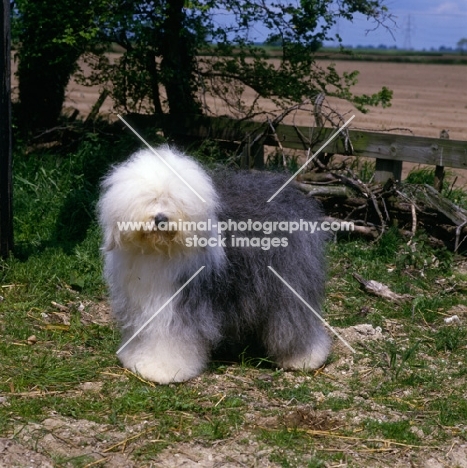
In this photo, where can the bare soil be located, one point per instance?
(428, 98)
(57, 439)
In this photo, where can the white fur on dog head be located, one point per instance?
(143, 188)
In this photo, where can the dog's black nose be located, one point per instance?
(160, 218)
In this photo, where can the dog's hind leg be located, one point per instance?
(310, 358)
(293, 346)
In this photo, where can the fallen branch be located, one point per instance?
(381, 290)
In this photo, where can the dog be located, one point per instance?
(164, 218)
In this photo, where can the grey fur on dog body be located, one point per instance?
(235, 301)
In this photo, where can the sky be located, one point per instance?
(419, 24)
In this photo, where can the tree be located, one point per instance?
(179, 54)
(462, 45)
(50, 36)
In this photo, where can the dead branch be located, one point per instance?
(407, 206)
(458, 235)
(335, 191)
(414, 219)
(381, 290)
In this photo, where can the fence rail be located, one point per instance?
(388, 149)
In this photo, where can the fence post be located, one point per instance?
(258, 155)
(246, 154)
(439, 170)
(386, 169)
(252, 155)
(6, 190)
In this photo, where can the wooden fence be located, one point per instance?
(389, 150)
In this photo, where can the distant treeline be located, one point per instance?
(382, 53)
(393, 55)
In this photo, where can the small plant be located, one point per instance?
(450, 338)
(275, 161)
(427, 176)
(397, 430)
(421, 176)
(364, 168)
(398, 361)
(420, 255)
(457, 196)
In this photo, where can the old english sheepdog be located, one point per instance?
(164, 218)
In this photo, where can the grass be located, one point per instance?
(413, 380)
(427, 176)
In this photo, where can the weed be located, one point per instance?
(450, 338)
(427, 176)
(451, 410)
(299, 393)
(398, 430)
(421, 176)
(420, 255)
(400, 361)
(457, 196)
(364, 168)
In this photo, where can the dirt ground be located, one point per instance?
(427, 98)
(39, 445)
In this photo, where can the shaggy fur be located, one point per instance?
(235, 301)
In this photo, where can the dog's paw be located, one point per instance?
(163, 373)
(308, 361)
(165, 361)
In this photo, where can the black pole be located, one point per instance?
(6, 191)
